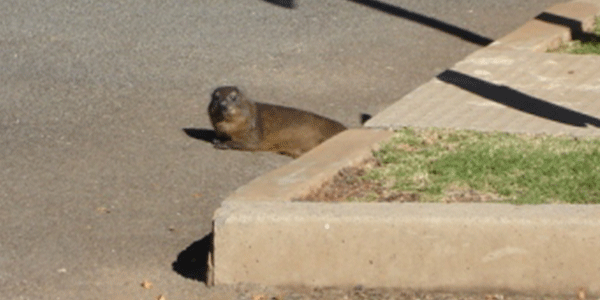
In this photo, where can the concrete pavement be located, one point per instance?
(510, 85)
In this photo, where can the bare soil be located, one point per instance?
(349, 184)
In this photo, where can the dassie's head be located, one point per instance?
(228, 103)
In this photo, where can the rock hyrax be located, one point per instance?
(243, 124)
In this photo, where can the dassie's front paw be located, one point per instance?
(218, 144)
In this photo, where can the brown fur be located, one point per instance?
(243, 124)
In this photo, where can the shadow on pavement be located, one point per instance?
(283, 3)
(192, 263)
(512, 98)
(427, 21)
(575, 26)
(207, 135)
(364, 118)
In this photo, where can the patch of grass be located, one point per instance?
(585, 48)
(577, 47)
(518, 168)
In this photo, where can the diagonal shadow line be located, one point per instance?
(517, 100)
(283, 3)
(431, 22)
(574, 26)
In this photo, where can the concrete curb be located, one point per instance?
(309, 171)
(554, 26)
(262, 237)
(475, 247)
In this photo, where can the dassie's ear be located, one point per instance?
(216, 94)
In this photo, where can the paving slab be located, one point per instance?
(510, 86)
(512, 91)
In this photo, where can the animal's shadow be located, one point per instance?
(207, 135)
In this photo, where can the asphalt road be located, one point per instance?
(100, 186)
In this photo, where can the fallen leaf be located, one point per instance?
(161, 297)
(146, 284)
(259, 297)
(103, 210)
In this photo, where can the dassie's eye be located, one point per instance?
(232, 96)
